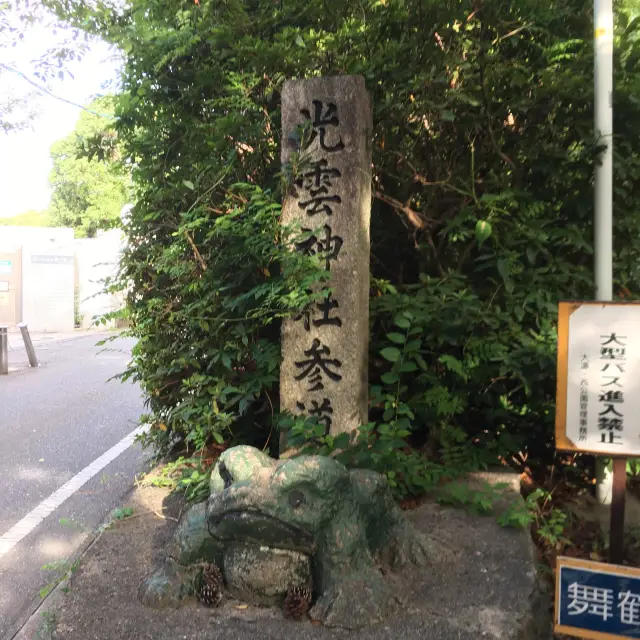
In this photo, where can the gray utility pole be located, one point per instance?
(603, 214)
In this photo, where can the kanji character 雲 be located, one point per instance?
(318, 179)
(318, 204)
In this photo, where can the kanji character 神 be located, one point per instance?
(328, 244)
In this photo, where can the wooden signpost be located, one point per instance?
(598, 412)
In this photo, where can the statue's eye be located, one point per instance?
(226, 476)
(296, 499)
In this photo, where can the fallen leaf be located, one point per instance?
(242, 606)
(316, 623)
(41, 460)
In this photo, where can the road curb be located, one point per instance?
(30, 623)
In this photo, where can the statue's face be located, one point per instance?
(286, 506)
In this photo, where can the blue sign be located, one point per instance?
(595, 597)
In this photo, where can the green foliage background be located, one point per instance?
(482, 220)
(29, 219)
(90, 183)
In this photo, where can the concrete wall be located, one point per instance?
(47, 275)
(96, 259)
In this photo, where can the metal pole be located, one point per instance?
(603, 214)
(28, 345)
(4, 351)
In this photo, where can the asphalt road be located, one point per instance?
(55, 421)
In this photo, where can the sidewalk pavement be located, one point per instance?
(18, 359)
(43, 337)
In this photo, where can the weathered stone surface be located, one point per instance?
(170, 585)
(346, 521)
(324, 351)
(193, 542)
(263, 575)
(487, 588)
(247, 463)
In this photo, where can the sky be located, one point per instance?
(24, 155)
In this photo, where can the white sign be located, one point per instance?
(5, 267)
(598, 399)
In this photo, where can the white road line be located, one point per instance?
(50, 504)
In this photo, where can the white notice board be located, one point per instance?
(598, 393)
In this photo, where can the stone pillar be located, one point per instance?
(324, 351)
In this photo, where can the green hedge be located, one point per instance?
(482, 220)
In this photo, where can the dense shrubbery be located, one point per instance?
(483, 165)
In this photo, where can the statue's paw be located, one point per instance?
(356, 601)
(169, 586)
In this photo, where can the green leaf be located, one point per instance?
(531, 255)
(421, 363)
(398, 338)
(401, 321)
(465, 97)
(341, 441)
(391, 354)
(453, 364)
(483, 231)
(188, 184)
(389, 377)
(300, 41)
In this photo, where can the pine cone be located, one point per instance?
(212, 584)
(297, 602)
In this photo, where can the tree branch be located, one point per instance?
(198, 255)
(413, 216)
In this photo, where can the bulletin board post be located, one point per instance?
(598, 392)
(616, 527)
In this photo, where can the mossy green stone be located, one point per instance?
(193, 543)
(246, 463)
